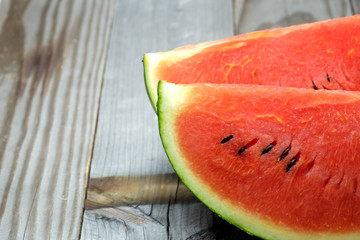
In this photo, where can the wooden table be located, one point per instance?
(80, 154)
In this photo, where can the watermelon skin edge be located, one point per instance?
(171, 99)
(152, 61)
(147, 76)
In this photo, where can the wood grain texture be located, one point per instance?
(127, 142)
(119, 190)
(355, 6)
(52, 56)
(252, 15)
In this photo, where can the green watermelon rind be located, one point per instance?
(171, 99)
(148, 83)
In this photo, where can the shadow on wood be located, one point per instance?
(222, 230)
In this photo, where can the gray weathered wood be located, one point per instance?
(52, 56)
(127, 141)
(252, 15)
(120, 190)
(355, 6)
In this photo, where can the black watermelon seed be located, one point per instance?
(292, 162)
(328, 77)
(284, 153)
(228, 138)
(242, 149)
(314, 86)
(268, 148)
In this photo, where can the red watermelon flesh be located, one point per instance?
(321, 55)
(279, 162)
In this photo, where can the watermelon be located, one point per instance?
(278, 162)
(321, 55)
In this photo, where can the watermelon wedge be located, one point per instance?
(278, 162)
(321, 55)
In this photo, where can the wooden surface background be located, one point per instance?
(52, 59)
(72, 93)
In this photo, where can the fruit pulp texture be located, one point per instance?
(314, 187)
(322, 56)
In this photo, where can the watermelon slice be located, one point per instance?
(278, 162)
(321, 55)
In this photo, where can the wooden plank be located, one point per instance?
(355, 6)
(127, 142)
(52, 56)
(118, 190)
(252, 15)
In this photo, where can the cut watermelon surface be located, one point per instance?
(321, 55)
(278, 162)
